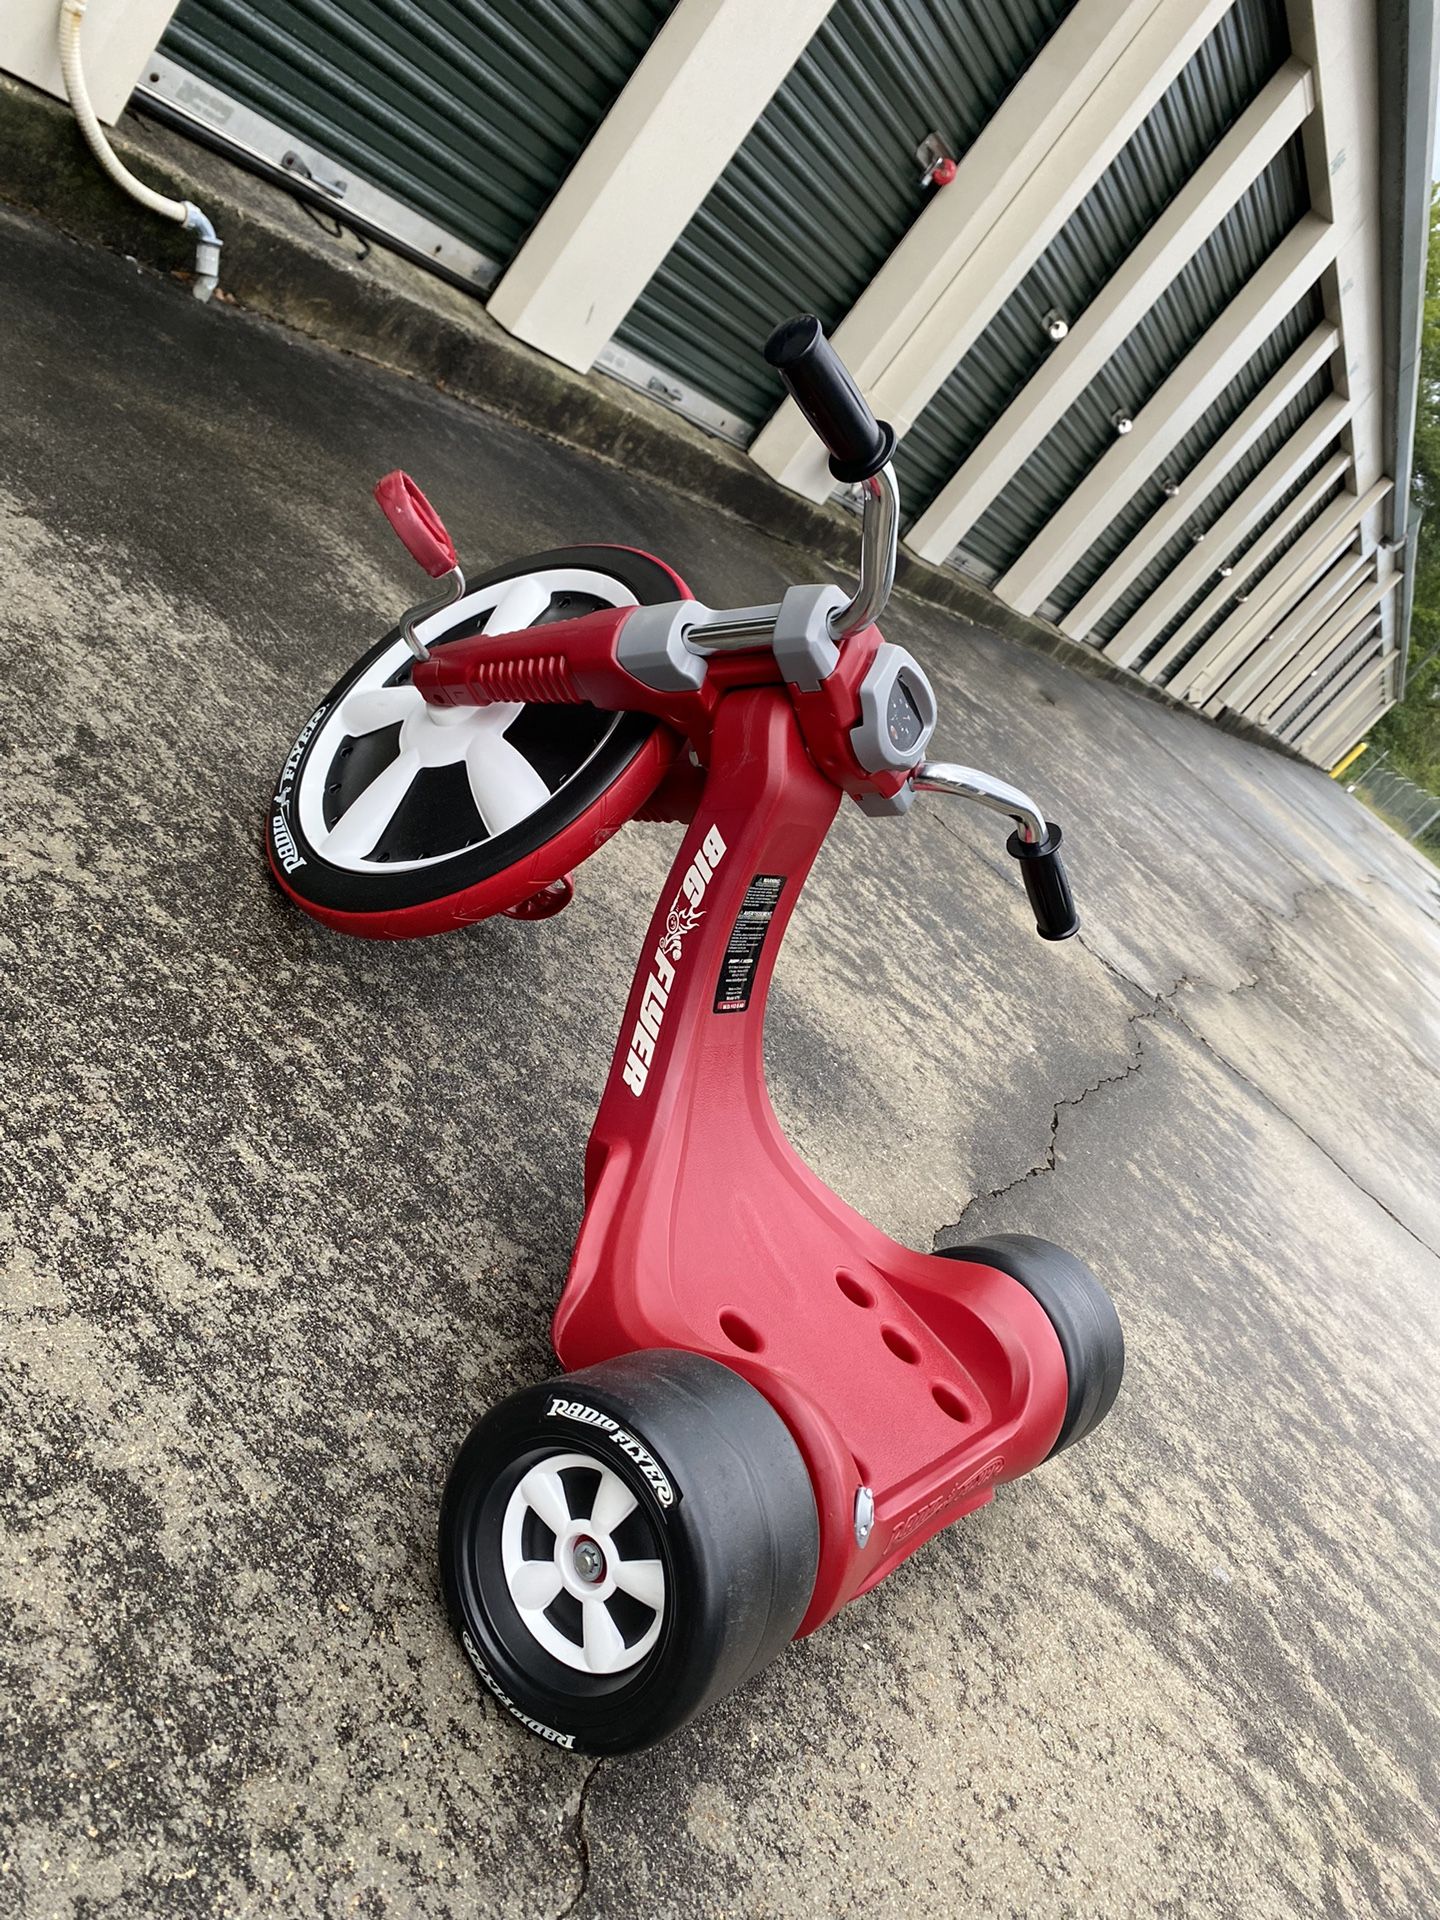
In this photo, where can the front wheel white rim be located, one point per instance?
(580, 1572)
(504, 786)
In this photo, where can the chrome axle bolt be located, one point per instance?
(588, 1560)
(864, 1515)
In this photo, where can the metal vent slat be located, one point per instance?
(468, 115)
(826, 183)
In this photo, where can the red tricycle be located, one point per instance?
(767, 1404)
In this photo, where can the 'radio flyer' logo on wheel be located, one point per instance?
(645, 1460)
(535, 1726)
(286, 851)
(682, 919)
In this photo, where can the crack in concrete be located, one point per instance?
(1166, 1002)
(582, 1843)
(1256, 968)
(1267, 959)
(1170, 1001)
(1047, 1165)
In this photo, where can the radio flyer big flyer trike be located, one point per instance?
(767, 1404)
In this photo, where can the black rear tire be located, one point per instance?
(1081, 1312)
(721, 1542)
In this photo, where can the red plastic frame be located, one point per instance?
(927, 1380)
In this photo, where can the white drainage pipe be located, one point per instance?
(184, 212)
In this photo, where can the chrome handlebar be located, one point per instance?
(1035, 843)
(732, 629)
(968, 783)
(879, 537)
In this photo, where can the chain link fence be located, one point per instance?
(1411, 810)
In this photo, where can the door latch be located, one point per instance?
(334, 184)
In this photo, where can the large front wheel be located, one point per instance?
(392, 817)
(625, 1545)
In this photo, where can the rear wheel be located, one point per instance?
(392, 817)
(623, 1546)
(1081, 1312)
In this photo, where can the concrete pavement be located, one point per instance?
(283, 1211)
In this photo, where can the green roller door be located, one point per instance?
(827, 182)
(1225, 492)
(466, 114)
(1248, 45)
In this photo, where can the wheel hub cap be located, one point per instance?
(589, 1560)
(506, 788)
(582, 1565)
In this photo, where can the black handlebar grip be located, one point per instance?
(1046, 886)
(859, 445)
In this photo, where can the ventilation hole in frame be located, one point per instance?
(853, 1291)
(739, 1332)
(949, 1402)
(901, 1345)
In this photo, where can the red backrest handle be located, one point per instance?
(416, 522)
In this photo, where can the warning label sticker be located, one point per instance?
(747, 939)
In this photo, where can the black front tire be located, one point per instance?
(721, 1500)
(437, 849)
(1081, 1312)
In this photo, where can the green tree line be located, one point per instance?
(1410, 732)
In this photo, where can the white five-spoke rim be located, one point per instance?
(505, 787)
(584, 1562)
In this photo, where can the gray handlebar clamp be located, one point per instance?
(804, 651)
(654, 648)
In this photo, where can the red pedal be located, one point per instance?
(420, 528)
(545, 904)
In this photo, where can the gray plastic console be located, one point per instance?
(897, 713)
